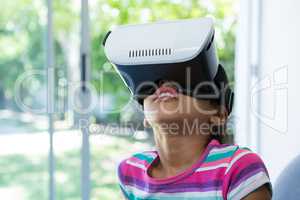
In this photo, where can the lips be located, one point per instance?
(165, 93)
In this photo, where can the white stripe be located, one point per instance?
(201, 169)
(248, 186)
(222, 150)
(138, 165)
(142, 194)
(237, 158)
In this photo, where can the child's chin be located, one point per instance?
(163, 118)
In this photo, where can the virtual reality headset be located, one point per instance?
(181, 51)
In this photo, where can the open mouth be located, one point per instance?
(165, 93)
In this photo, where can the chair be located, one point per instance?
(287, 186)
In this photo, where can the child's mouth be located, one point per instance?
(165, 93)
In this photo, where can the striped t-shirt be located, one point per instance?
(222, 172)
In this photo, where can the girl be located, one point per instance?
(190, 162)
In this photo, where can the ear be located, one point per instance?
(146, 123)
(218, 121)
(220, 117)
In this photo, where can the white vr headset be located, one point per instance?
(181, 51)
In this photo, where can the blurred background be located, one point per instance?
(257, 44)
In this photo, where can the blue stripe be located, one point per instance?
(140, 156)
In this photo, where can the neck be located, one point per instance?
(178, 152)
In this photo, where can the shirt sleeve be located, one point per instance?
(120, 172)
(246, 172)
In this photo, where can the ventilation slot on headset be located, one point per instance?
(149, 52)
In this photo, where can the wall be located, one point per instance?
(267, 109)
(280, 48)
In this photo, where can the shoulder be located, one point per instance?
(233, 156)
(244, 160)
(245, 173)
(135, 165)
(222, 152)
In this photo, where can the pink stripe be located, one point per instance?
(206, 175)
(240, 151)
(243, 163)
(196, 177)
(239, 165)
(129, 170)
(136, 160)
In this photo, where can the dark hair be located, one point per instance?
(225, 101)
(226, 95)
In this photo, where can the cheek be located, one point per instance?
(169, 110)
(192, 108)
(149, 109)
(183, 107)
(147, 104)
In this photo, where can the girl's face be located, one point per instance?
(167, 105)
